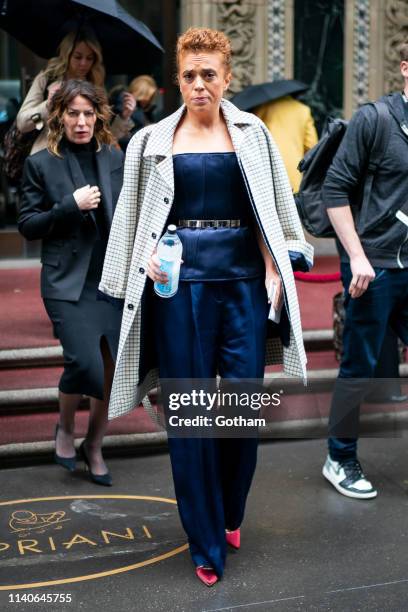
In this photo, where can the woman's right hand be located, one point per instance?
(153, 270)
(52, 90)
(87, 197)
(129, 105)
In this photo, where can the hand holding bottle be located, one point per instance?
(169, 251)
(153, 269)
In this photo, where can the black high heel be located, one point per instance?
(69, 463)
(100, 479)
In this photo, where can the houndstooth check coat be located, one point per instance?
(140, 217)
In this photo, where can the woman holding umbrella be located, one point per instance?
(79, 57)
(69, 194)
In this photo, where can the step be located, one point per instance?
(44, 399)
(119, 441)
(40, 426)
(22, 454)
(30, 378)
(31, 357)
(48, 376)
(27, 401)
(315, 340)
(318, 339)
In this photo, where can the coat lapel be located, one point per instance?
(160, 146)
(103, 169)
(236, 121)
(166, 171)
(77, 176)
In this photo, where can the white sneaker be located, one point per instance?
(348, 478)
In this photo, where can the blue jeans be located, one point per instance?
(384, 303)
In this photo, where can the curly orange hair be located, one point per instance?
(204, 39)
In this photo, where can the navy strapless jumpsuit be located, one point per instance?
(216, 321)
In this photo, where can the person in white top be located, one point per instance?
(79, 57)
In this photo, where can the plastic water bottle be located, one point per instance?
(169, 251)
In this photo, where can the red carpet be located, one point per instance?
(24, 322)
(316, 299)
(33, 378)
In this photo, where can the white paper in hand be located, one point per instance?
(274, 313)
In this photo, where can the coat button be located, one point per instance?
(141, 270)
(130, 306)
(154, 235)
(166, 200)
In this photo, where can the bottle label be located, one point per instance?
(172, 270)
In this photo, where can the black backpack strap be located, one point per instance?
(379, 146)
(381, 137)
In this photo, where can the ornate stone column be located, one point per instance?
(246, 24)
(198, 13)
(280, 39)
(396, 32)
(374, 30)
(357, 54)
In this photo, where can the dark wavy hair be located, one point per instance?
(63, 97)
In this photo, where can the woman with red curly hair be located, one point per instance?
(214, 172)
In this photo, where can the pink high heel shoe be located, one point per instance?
(206, 575)
(233, 538)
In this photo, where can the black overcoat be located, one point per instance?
(49, 212)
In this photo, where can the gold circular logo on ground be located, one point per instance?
(88, 529)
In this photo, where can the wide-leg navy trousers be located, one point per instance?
(208, 326)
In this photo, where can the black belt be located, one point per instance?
(203, 223)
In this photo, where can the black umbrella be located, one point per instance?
(254, 95)
(128, 45)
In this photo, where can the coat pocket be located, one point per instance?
(51, 259)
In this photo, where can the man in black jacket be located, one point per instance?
(374, 266)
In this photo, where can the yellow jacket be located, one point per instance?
(292, 127)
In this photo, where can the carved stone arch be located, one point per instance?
(396, 33)
(237, 19)
(374, 31)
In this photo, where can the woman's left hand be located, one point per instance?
(273, 277)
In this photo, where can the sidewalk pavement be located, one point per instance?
(304, 546)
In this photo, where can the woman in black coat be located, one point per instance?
(70, 191)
